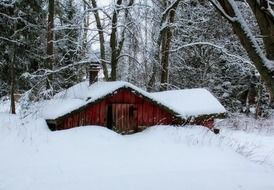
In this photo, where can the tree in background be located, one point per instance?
(117, 28)
(69, 42)
(50, 45)
(21, 43)
(206, 55)
(66, 50)
(165, 39)
(143, 42)
(261, 55)
(116, 44)
(101, 37)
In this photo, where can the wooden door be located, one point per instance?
(124, 118)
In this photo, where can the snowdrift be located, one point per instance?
(93, 157)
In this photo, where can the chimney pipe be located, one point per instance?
(93, 73)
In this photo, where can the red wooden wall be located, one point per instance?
(145, 113)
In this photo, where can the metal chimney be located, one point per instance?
(94, 69)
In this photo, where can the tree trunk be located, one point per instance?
(166, 43)
(164, 62)
(12, 74)
(50, 45)
(116, 47)
(163, 44)
(86, 25)
(265, 73)
(101, 39)
(266, 25)
(155, 63)
(113, 41)
(165, 47)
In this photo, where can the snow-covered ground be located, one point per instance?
(162, 157)
(254, 139)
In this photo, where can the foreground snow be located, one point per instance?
(93, 157)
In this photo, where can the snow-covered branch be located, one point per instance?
(11, 40)
(173, 6)
(129, 56)
(18, 18)
(239, 19)
(223, 50)
(46, 72)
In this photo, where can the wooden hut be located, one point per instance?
(125, 108)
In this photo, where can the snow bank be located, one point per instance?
(4, 105)
(12, 127)
(93, 157)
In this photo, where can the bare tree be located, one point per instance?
(115, 45)
(165, 38)
(163, 43)
(113, 40)
(117, 38)
(101, 38)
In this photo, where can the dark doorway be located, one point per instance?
(109, 117)
(124, 118)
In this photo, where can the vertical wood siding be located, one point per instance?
(145, 113)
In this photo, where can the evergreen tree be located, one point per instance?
(21, 43)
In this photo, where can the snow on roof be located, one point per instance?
(190, 102)
(80, 95)
(52, 109)
(185, 103)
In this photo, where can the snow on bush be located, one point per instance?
(252, 138)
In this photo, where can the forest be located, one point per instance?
(224, 46)
(137, 94)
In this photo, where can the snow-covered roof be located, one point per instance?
(186, 103)
(190, 102)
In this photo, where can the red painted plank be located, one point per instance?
(146, 110)
(97, 114)
(91, 115)
(101, 112)
(150, 114)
